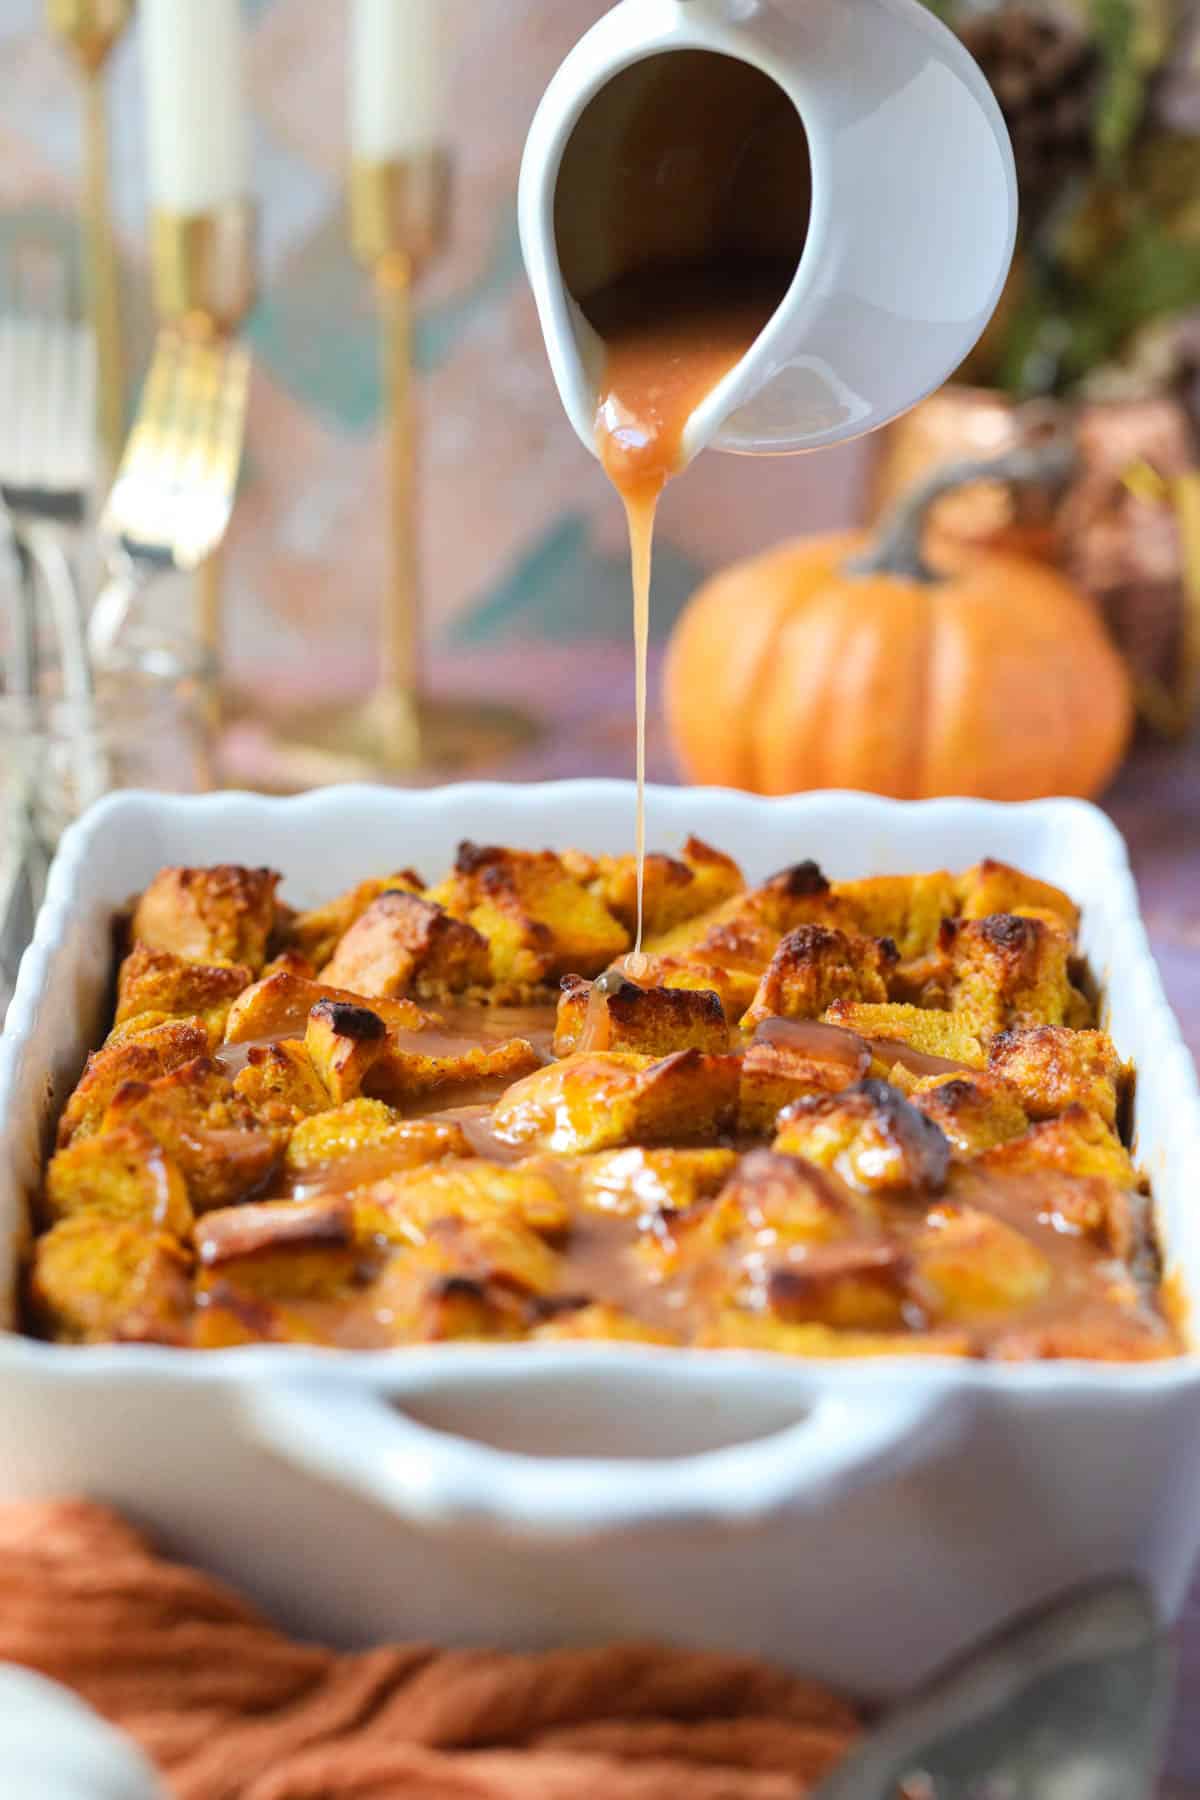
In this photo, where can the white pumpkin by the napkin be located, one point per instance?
(52, 1744)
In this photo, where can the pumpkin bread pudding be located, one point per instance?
(852, 1118)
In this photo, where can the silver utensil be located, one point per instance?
(173, 496)
(23, 865)
(1070, 1702)
(48, 463)
(22, 862)
(47, 472)
(21, 858)
(20, 636)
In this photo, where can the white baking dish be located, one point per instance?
(858, 1520)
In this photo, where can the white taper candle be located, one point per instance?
(195, 103)
(396, 57)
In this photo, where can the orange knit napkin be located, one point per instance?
(231, 1710)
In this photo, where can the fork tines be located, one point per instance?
(173, 495)
(47, 413)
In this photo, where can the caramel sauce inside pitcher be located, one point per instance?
(682, 211)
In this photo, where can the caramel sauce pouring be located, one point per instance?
(681, 214)
(670, 337)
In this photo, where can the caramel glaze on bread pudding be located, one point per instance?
(828, 1118)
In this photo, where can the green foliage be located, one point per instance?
(1065, 325)
(1132, 38)
(1122, 250)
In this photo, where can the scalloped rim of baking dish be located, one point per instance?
(877, 835)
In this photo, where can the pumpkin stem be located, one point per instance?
(898, 548)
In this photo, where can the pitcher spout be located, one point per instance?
(851, 148)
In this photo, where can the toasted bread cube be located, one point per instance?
(743, 930)
(121, 1174)
(362, 1127)
(1077, 1142)
(743, 934)
(993, 887)
(713, 872)
(139, 1025)
(401, 944)
(975, 1112)
(797, 895)
(344, 1042)
(742, 944)
(634, 1182)
(596, 1321)
(1080, 1013)
(95, 1280)
(155, 1052)
(220, 915)
(735, 988)
(279, 1006)
(290, 962)
(325, 1220)
(1009, 970)
(595, 1102)
(224, 1152)
(649, 1020)
(1099, 1334)
(506, 1250)
(1116, 1217)
(923, 980)
(280, 1083)
(229, 1317)
(315, 934)
(816, 965)
(404, 1075)
(970, 1266)
(676, 889)
(264, 1266)
(739, 937)
(774, 1201)
(158, 981)
(909, 909)
(412, 1207)
(770, 1205)
(734, 1330)
(284, 1250)
(775, 1073)
(1077, 1206)
(484, 1279)
(870, 1136)
(540, 923)
(429, 1296)
(949, 1036)
(199, 1084)
(1054, 1068)
(682, 942)
(851, 1287)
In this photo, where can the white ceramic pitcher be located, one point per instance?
(910, 231)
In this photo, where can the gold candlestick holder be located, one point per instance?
(89, 29)
(203, 266)
(203, 274)
(399, 216)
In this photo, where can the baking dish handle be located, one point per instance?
(359, 1440)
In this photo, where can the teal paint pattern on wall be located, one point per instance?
(558, 588)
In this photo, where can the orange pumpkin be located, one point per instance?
(829, 662)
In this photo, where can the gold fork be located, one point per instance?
(172, 499)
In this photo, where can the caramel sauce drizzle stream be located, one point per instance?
(670, 335)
